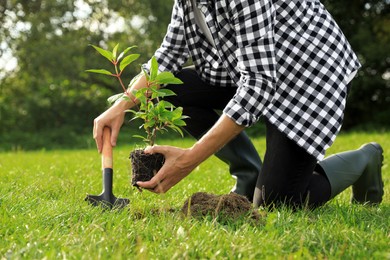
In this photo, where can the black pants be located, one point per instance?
(287, 176)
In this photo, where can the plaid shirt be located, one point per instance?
(289, 61)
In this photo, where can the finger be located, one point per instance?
(98, 136)
(149, 149)
(155, 184)
(114, 136)
(156, 149)
(149, 185)
(159, 189)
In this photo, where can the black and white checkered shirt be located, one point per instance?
(289, 60)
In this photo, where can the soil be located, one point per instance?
(225, 207)
(144, 166)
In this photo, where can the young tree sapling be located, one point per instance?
(157, 115)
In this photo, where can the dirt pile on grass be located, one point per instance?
(224, 207)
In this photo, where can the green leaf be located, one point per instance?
(107, 54)
(101, 71)
(176, 114)
(154, 95)
(146, 74)
(115, 50)
(125, 51)
(167, 77)
(126, 97)
(127, 60)
(131, 111)
(150, 106)
(162, 104)
(168, 104)
(142, 137)
(140, 95)
(114, 98)
(149, 124)
(160, 108)
(164, 92)
(153, 89)
(179, 122)
(177, 129)
(153, 69)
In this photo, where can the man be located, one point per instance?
(285, 61)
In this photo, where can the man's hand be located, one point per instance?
(178, 164)
(113, 118)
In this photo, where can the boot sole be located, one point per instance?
(380, 184)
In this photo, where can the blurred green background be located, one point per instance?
(47, 100)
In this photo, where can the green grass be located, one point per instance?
(43, 215)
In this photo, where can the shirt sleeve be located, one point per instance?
(252, 22)
(173, 52)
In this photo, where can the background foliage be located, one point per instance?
(46, 95)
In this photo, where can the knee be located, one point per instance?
(273, 195)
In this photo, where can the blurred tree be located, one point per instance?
(48, 89)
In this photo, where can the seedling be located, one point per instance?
(157, 115)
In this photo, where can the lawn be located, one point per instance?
(43, 215)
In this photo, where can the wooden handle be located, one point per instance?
(107, 149)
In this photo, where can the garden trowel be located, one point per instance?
(107, 199)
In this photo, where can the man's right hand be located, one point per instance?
(112, 118)
(115, 115)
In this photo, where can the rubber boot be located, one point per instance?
(369, 187)
(244, 164)
(360, 168)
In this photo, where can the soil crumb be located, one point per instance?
(230, 206)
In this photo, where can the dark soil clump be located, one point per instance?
(225, 207)
(144, 166)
